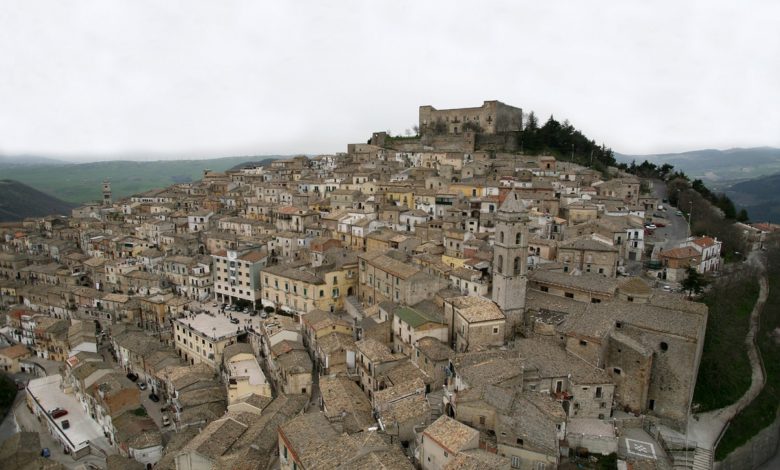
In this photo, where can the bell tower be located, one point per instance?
(107, 193)
(510, 259)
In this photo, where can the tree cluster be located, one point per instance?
(706, 218)
(565, 142)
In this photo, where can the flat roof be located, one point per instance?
(46, 392)
(211, 326)
(248, 368)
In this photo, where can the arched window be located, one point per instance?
(517, 265)
(518, 239)
(501, 237)
(500, 263)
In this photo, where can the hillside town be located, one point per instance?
(441, 301)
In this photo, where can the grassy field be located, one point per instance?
(724, 372)
(79, 183)
(763, 410)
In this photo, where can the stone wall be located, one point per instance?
(755, 452)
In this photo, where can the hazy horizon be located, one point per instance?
(161, 157)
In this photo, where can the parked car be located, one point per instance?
(235, 321)
(133, 377)
(154, 397)
(253, 313)
(166, 421)
(57, 413)
(45, 452)
(651, 226)
(142, 385)
(679, 213)
(65, 424)
(660, 224)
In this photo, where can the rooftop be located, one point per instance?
(47, 393)
(453, 435)
(211, 326)
(474, 308)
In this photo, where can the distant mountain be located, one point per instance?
(28, 160)
(81, 182)
(760, 196)
(19, 201)
(717, 166)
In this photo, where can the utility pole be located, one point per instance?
(690, 218)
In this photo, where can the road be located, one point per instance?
(706, 427)
(676, 230)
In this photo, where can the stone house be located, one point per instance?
(410, 325)
(432, 356)
(591, 254)
(384, 277)
(11, 356)
(291, 367)
(373, 359)
(442, 440)
(242, 374)
(475, 322)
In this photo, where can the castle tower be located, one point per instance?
(107, 193)
(510, 260)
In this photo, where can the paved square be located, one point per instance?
(640, 448)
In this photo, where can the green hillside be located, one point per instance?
(759, 196)
(19, 201)
(80, 183)
(715, 166)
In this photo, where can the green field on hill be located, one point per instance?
(81, 182)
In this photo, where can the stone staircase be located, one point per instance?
(435, 402)
(702, 459)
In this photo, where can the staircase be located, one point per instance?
(435, 402)
(702, 460)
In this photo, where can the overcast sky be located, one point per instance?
(215, 78)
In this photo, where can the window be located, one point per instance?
(664, 346)
(651, 405)
(495, 330)
(481, 421)
(616, 370)
(500, 263)
(595, 301)
(519, 441)
(544, 289)
(519, 239)
(515, 461)
(598, 392)
(583, 342)
(569, 295)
